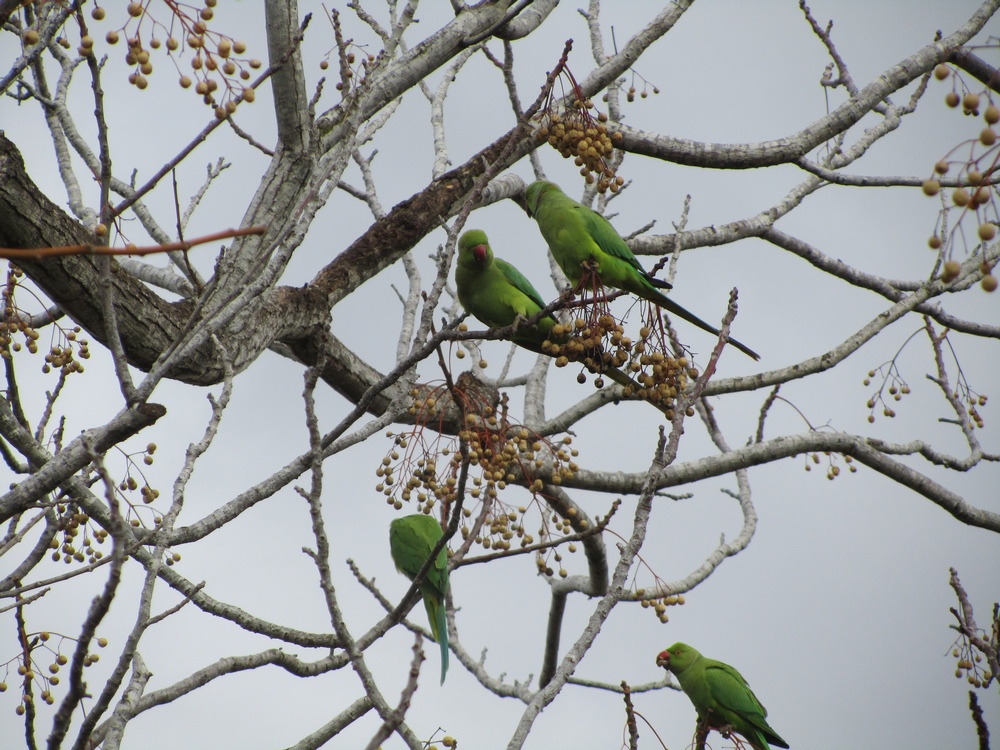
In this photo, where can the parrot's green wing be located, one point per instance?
(411, 541)
(519, 282)
(609, 240)
(737, 704)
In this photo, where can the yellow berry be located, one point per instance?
(961, 197)
(987, 231)
(992, 115)
(931, 187)
(989, 283)
(934, 242)
(951, 99)
(987, 137)
(941, 72)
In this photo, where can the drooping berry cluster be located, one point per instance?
(832, 468)
(968, 666)
(217, 68)
(35, 683)
(659, 605)
(976, 169)
(577, 135)
(74, 523)
(497, 453)
(893, 385)
(598, 340)
(16, 322)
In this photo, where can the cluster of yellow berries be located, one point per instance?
(897, 389)
(578, 136)
(147, 493)
(553, 527)
(12, 322)
(977, 192)
(598, 342)
(69, 549)
(499, 454)
(630, 94)
(494, 445)
(969, 668)
(60, 356)
(217, 57)
(504, 525)
(974, 401)
(833, 470)
(660, 376)
(26, 670)
(659, 605)
(502, 453)
(130, 484)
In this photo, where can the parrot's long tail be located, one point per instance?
(439, 629)
(669, 305)
(442, 626)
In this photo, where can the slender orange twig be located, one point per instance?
(40, 253)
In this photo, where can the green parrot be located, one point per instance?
(411, 539)
(579, 236)
(499, 295)
(720, 695)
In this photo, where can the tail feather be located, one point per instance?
(661, 300)
(439, 629)
(658, 283)
(763, 734)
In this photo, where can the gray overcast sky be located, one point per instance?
(837, 613)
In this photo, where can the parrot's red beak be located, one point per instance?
(663, 659)
(479, 253)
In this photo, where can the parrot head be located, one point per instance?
(677, 658)
(534, 192)
(474, 249)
